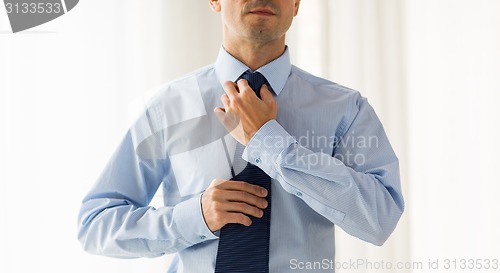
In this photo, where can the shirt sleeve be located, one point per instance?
(358, 188)
(115, 218)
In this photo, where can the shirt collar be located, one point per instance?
(276, 72)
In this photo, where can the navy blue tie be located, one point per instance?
(246, 249)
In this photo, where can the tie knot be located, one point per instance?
(255, 80)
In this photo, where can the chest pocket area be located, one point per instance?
(194, 170)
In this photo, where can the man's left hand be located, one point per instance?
(244, 113)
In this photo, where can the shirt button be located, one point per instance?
(257, 160)
(299, 194)
(203, 237)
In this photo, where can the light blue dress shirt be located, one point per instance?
(327, 154)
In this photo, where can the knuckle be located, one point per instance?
(207, 195)
(262, 203)
(236, 101)
(241, 82)
(241, 218)
(217, 206)
(223, 184)
(257, 212)
(215, 182)
(247, 92)
(241, 184)
(244, 208)
(253, 211)
(259, 202)
(218, 217)
(215, 193)
(254, 188)
(244, 186)
(242, 196)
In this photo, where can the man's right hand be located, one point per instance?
(227, 201)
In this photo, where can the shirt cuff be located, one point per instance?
(190, 223)
(265, 148)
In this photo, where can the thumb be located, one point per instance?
(265, 94)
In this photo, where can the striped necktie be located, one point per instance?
(246, 249)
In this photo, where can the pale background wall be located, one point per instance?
(429, 68)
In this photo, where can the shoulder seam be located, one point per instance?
(319, 81)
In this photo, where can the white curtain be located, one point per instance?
(359, 44)
(453, 65)
(429, 68)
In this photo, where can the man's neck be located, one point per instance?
(254, 54)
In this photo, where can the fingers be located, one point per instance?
(238, 207)
(225, 101)
(231, 89)
(268, 99)
(238, 218)
(251, 112)
(229, 120)
(245, 197)
(246, 187)
(266, 95)
(243, 86)
(227, 201)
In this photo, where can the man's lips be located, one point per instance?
(265, 12)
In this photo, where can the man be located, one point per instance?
(320, 145)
